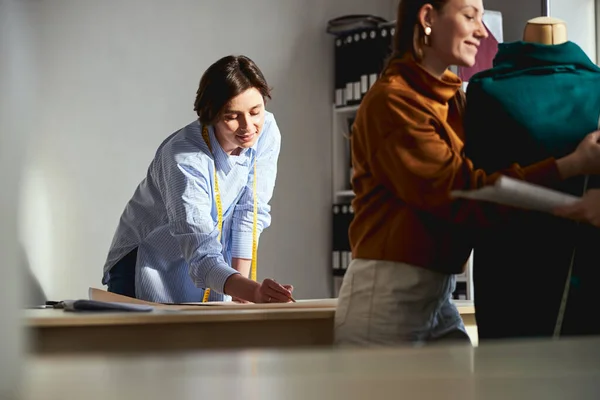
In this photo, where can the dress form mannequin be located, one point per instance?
(545, 30)
(539, 100)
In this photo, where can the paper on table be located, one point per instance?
(102, 295)
(516, 193)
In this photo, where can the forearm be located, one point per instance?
(435, 198)
(568, 166)
(477, 214)
(242, 265)
(238, 286)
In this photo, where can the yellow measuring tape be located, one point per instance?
(220, 214)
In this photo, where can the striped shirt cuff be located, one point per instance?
(216, 276)
(241, 244)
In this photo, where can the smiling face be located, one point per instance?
(241, 121)
(456, 33)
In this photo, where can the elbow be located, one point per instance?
(210, 273)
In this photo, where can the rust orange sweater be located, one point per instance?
(407, 154)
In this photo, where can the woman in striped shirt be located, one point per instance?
(190, 231)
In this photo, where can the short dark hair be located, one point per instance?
(222, 81)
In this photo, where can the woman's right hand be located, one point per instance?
(272, 292)
(268, 291)
(587, 209)
(587, 154)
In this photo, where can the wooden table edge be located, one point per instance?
(174, 317)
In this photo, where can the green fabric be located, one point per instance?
(537, 101)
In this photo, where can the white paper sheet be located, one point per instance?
(103, 295)
(516, 193)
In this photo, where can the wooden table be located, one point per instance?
(529, 370)
(59, 332)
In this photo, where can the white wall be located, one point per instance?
(515, 14)
(578, 14)
(119, 76)
(17, 113)
(580, 17)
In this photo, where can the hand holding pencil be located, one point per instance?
(272, 292)
(269, 291)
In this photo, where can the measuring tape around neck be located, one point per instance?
(206, 138)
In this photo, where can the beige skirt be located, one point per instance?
(391, 303)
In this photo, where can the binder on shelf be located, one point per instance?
(354, 67)
(348, 71)
(342, 214)
(386, 38)
(340, 85)
(350, 121)
(365, 61)
(374, 63)
(360, 55)
(336, 246)
(344, 70)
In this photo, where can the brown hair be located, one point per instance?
(225, 79)
(409, 35)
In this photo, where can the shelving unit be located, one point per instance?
(341, 151)
(341, 187)
(342, 192)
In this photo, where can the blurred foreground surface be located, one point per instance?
(564, 369)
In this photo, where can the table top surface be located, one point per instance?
(564, 369)
(38, 318)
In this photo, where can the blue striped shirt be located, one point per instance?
(172, 216)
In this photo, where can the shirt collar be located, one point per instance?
(224, 161)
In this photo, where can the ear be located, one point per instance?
(426, 16)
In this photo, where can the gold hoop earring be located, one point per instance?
(427, 31)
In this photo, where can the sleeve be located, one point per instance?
(267, 155)
(415, 162)
(186, 191)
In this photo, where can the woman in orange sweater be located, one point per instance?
(408, 238)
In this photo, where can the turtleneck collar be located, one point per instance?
(441, 90)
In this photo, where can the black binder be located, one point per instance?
(340, 85)
(343, 215)
(359, 59)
